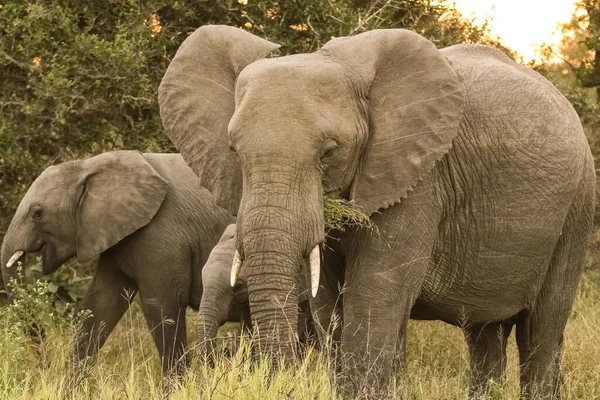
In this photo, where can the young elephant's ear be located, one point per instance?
(120, 192)
(196, 98)
(415, 104)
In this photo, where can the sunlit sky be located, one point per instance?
(521, 24)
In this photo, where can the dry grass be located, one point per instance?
(128, 367)
(341, 214)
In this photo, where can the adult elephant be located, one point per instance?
(478, 167)
(150, 221)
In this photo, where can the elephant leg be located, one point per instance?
(540, 329)
(487, 349)
(166, 320)
(372, 342)
(539, 355)
(108, 297)
(384, 275)
(326, 307)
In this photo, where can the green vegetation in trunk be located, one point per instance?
(341, 214)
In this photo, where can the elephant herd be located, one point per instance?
(474, 169)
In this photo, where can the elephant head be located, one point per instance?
(363, 118)
(81, 208)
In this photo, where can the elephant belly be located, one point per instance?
(491, 292)
(493, 251)
(491, 284)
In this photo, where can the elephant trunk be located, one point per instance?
(273, 294)
(12, 250)
(214, 307)
(277, 229)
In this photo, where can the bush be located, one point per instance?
(80, 77)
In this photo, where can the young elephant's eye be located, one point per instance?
(38, 214)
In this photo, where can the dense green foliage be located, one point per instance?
(79, 77)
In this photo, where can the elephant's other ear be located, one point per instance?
(196, 98)
(415, 104)
(120, 193)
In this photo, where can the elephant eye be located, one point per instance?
(231, 147)
(38, 214)
(328, 150)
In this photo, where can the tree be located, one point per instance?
(579, 50)
(590, 69)
(79, 77)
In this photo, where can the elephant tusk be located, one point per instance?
(315, 269)
(14, 258)
(235, 268)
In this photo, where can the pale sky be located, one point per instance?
(521, 24)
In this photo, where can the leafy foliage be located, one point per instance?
(64, 286)
(80, 77)
(59, 289)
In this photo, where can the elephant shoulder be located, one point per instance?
(174, 169)
(463, 52)
(498, 88)
(488, 70)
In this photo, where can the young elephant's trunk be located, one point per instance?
(217, 298)
(13, 249)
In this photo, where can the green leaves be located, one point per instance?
(62, 287)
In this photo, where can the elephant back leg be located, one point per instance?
(487, 350)
(540, 328)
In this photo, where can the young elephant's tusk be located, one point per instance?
(14, 258)
(315, 270)
(235, 268)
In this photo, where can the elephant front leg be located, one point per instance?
(385, 272)
(487, 349)
(108, 297)
(376, 308)
(371, 340)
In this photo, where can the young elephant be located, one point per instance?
(221, 303)
(152, 224)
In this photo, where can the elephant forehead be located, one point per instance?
(54, 179)
(294, 93)
(302, 75)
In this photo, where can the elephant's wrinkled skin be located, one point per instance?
(150, 221)
(479, 168)
(221, 303)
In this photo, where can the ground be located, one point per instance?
(128, 367)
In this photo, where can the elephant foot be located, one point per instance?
(364, 380)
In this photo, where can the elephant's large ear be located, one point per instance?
(120, 193)
(415, 104)
(196, 98)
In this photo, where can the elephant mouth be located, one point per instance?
(20, 254)
(14, 258)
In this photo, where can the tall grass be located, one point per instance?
(128, 366)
